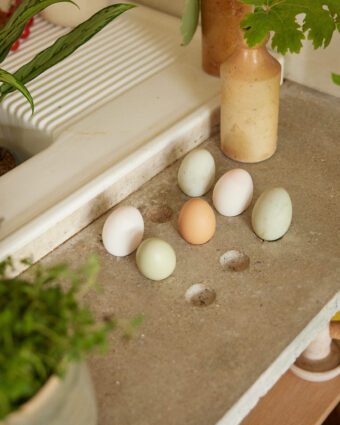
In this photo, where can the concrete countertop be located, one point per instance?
(196, 365)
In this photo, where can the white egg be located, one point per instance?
(233, 192)
(123, 231)
(196, 173)
(272, 214)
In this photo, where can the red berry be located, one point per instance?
(15, 46)
(11, 11)
(3, 18)
(26, 32)
(29, 23)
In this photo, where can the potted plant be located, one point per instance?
(14, 27)
(45, 335)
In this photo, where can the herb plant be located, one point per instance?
(54, 54)
(321, 20)
(43, 327)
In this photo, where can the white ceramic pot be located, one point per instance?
(67, 401)
(68, 15)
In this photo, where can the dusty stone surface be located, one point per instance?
(190, 365)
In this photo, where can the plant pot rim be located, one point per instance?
(42, 397)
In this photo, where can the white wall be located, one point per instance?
(174, 7)
(313, 67)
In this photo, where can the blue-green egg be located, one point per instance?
(272, 214)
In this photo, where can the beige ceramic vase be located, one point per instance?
(220, 25)
(250, 84)
(68, 15)
(68, 401)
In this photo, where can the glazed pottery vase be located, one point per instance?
(220, 26)
(68, 15)
(67, 401)
(250, 84)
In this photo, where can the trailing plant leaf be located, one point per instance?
(321, 19)
(336, 78)
(17, 22)
(13, 82)
(129, 327)
(43, 327)
(66, 45)
(190, 19)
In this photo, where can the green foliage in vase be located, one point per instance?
(44, 327)
(321, 18)
(54, 54)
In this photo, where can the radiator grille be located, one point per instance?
(121, 56)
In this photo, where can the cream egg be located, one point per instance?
(196, 173)
(123, 231)
(155, 259)
(233, 192)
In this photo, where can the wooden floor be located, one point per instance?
(293, 401)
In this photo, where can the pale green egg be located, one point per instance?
(196, 173)
(155, 259)
(272, 214)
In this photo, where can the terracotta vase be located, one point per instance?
(67, 401)
(250, 80)
(68, 15)
(220, 26)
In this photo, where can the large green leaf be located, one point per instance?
(10, 79)
(190, 20)
(320, 19)
(66, 45)
(336, 78)
(16, 24)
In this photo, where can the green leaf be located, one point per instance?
(334, 9)
(13, 82)
(336, 78)
(137, 321)
(4, 265)
(257, 28)
(190, 20)
(321, 19)
(318, 22)
(16, 24)
(66, 45)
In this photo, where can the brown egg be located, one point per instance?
(196, 222)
